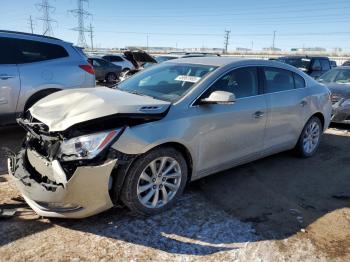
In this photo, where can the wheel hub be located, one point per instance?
(159, 182)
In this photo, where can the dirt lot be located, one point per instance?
(276, 209)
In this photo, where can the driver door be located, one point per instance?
(230, 134)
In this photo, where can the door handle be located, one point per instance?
(5, 77)
(303, 103)
(258, 114)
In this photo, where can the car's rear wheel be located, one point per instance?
(155, 181)
(310, 138)
(111, 77)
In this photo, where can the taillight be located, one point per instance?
(87, 68)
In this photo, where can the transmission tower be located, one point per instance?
(226, 40)
(46, 10)
(91, 30)
(81, 14)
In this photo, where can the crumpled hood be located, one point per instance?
(64, 109)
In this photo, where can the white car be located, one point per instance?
(120, 60)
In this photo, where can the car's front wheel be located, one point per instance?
(310, 137)
(155, 181)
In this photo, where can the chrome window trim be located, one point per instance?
(231, 69)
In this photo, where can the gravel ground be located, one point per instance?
(276, 209)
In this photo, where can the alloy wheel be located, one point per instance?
(311, 137)
(159, 182)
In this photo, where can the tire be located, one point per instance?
(111, 77)
(141, 200)
(308, 143)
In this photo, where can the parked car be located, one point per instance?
(338, 81)
(176, 122)
(312, 65)
(120, 60)
(34, 66)
(104, 70)
(140, 59)
(346, 63)
(333, 63)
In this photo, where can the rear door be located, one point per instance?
(287, 102)
(10, 85)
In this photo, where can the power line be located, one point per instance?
(226, 40)
(289, 10)
(81, 14)
(46, 9)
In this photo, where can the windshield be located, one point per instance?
(303, 63)
(167, 82)
(340, 76)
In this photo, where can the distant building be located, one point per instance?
(309, 49)
(271, 49)
(242, 49)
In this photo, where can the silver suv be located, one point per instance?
(34, 66)
(170, 124)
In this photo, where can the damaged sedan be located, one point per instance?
(87, 150)
(338, 82)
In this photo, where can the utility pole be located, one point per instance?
(81, 14)
(273, 40)
(147, 42)
(46, 9)
(31, 24)
(226, 40)
(91, 37)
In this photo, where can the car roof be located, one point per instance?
(342, 67)
(305, 56)
(220, 61)
(207, 60)
(24, 34)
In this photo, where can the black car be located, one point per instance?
(315, 66)
(104, 70)
(338, 82)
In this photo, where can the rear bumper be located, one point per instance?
(46, 190)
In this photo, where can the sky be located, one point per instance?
(185, 23)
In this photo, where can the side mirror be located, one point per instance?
(219, 97)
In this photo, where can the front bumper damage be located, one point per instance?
(340, 114)
(46, 189)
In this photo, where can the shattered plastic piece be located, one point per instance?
(294, 211)
(7, 213)
(300, 219)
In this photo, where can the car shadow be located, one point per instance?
(282, 194)
(269, 199)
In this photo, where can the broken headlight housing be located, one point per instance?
(87, 146)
